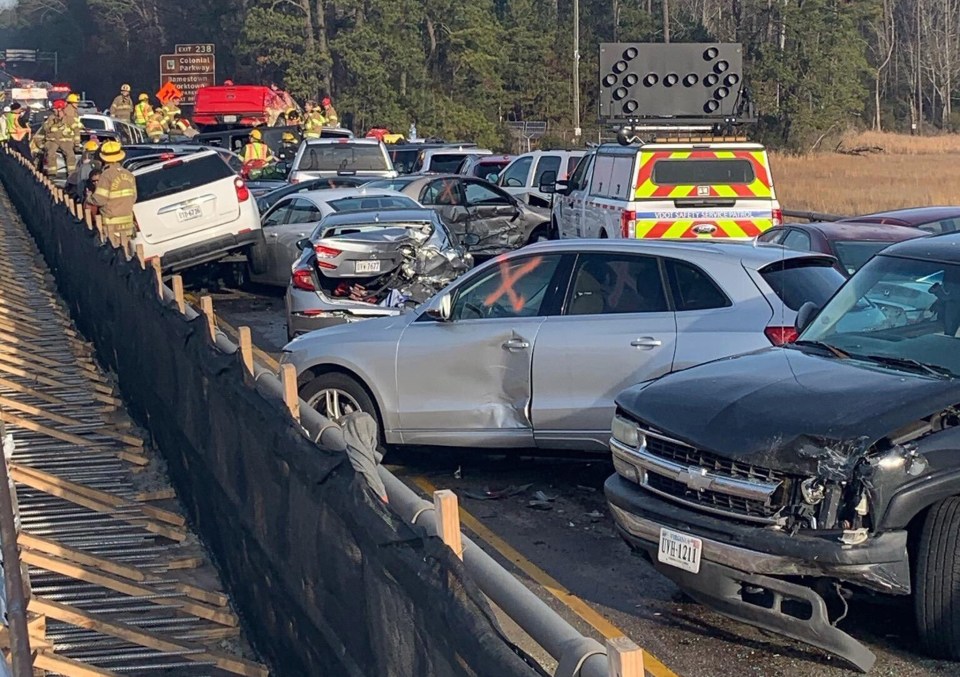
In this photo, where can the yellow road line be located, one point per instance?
(607, 629)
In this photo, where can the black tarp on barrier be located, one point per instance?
(327, 580)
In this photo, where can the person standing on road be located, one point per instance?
(330, 113)
(313, 121)
(18, 130)
(288, 147)
(71, 118)
(116, 192)
(142, 111)
(155, 126)
(122, 106)
(257, 149)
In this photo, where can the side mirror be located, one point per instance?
(562, 187)
(805, 316)
(513, 183)
(470, 239)
(305, 243)
(492, 177)
(548, 182)
(441, 308)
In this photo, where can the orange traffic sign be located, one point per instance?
(169, 91)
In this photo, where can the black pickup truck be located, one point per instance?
(772, 485)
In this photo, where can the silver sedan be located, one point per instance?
(531, 349)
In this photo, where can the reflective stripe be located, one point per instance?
(102, 191)
(123, 192)
(118, 220)
(683, 228)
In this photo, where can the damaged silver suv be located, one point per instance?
(773, 484)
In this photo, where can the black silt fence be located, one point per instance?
(326, 579)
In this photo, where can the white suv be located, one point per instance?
(523, 176)
(322, 158)
(192, 210)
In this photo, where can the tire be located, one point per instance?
(936, 592)
(346, 389)
(540, 234)
(603, 234)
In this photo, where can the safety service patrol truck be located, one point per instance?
(679, 170)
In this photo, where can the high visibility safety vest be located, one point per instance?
(142, 112)
(17, 131)
(313, 124)
(256, 150)
(115, 196)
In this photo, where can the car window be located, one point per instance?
(693, 289)
(443, 192)
(852, 254)
(941, 226)
(347, 157)
(578, 179)
(796, 281)
(479, 194)
(548, 163)
(605, 284)
(798, 240)
(179, 175)
(515, 176)
(572, 162)
(517, 287)
(279, 215)
(446, 163)
(352, 204)
(702, 172)
(93, 123)
(772, 236)
(303, 211)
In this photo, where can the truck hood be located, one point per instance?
(786, 409)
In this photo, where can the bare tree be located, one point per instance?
(884, 33)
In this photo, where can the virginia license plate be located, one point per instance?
(368, 267)
(679, 550)
(189, 213)
(229, 118)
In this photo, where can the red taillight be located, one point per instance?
(777, 217)
(303, 279)
(779, 336)
(628, 224)
(326, 253)
(294, 181)
(242, 193)
(175, 163)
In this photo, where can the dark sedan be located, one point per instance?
(267, 200)
(934, 220)
(852, 244)
(473, 206)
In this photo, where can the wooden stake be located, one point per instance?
(206, 307)
(288, 375)
(624, 658)
(141, 257)
(178, 294)
(158, 272)
(125, 245)
(246, 348)
(88, 217)
(98, 224)
(448, 520)
(62, 665)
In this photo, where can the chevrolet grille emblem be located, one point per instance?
(695, 478)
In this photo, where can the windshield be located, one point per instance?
(896, 309)
(345, 157)
(322, 231)
(353, 204)
(852, 254)
(179, 175)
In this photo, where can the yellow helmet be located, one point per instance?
(143, 97)
(288, 137)
(73, 98)
(112, 151)
(256, 135)
(124, 87)
(91, 146)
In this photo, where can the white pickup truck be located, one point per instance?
(192, 210)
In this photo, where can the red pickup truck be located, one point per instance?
(225, 106)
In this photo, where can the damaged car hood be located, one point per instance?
(781, 407)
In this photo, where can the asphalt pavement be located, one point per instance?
(545, 518)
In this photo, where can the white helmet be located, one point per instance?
(6, 109)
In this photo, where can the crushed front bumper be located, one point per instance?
(751, 573)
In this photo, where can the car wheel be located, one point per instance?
(936, 591)
(603, 235)
(540, 234)
(335, 395)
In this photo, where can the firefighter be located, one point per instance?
(170, 109)
(257, 149)
(313, 121)
(330, 113)
(155, 126)
(122, 106)
(59, 138)
(288, 147)
(71, 117)
(47, 132)
(181, 126)
(142, 111)
(19, 132)
(116, 192)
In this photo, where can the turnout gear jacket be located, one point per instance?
(115, 196)
(155, 127)
(71, 117)
(330, 113)
(122, 107)
(313, 124)
(169, 110)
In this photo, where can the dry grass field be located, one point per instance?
(909, 172)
